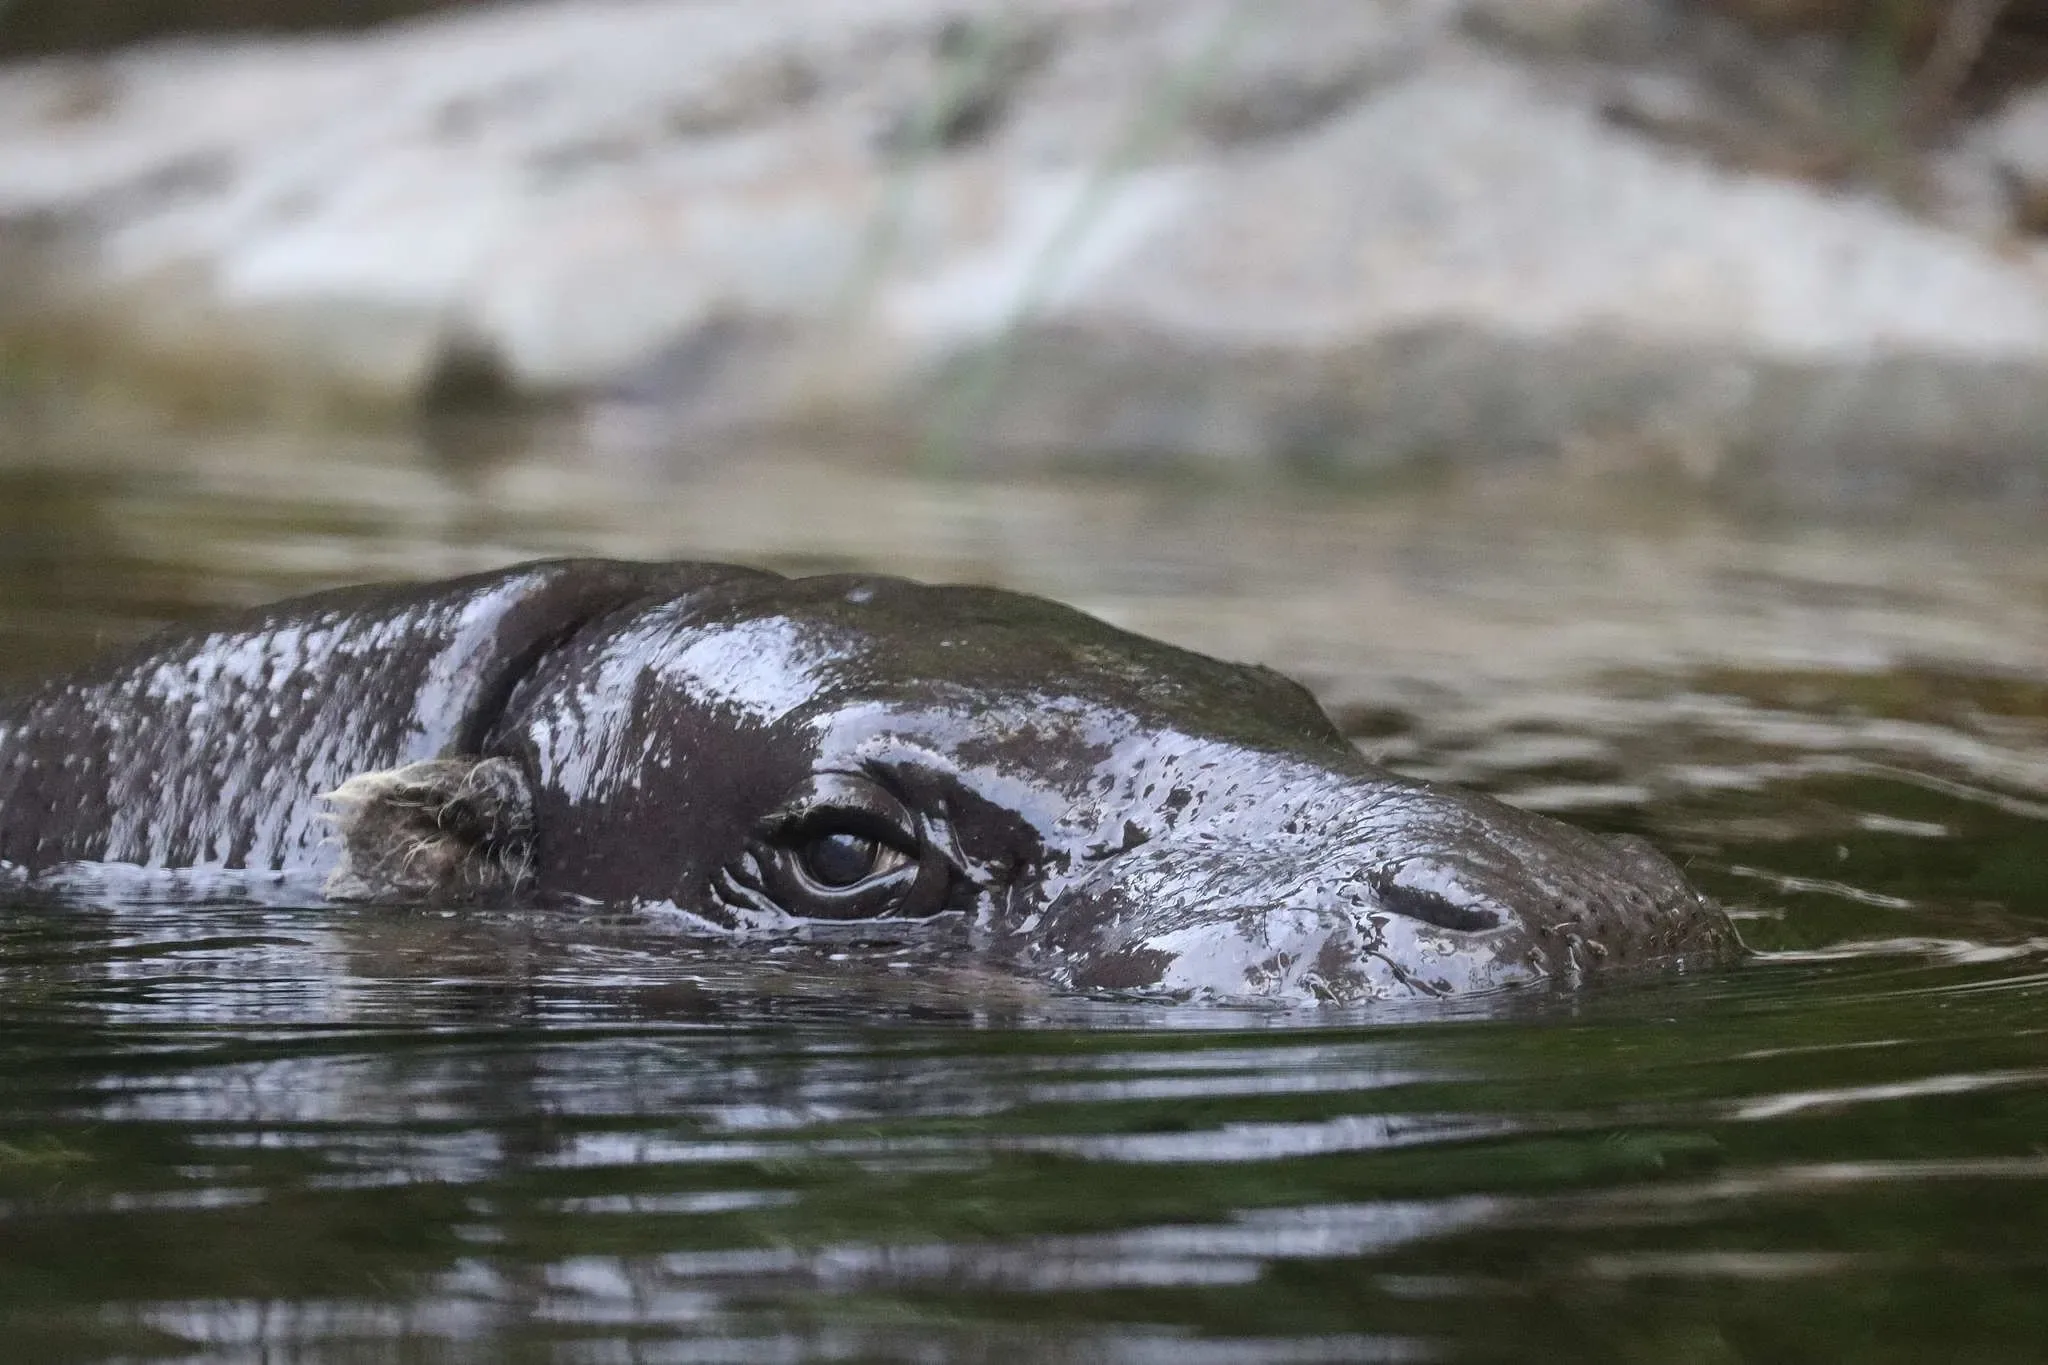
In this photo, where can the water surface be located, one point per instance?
(242, 1131)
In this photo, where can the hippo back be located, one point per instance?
(212, 745)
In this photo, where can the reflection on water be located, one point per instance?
(236, 1130)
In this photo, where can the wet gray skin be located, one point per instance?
(1067, 800)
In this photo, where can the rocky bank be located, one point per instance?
(1339, 235)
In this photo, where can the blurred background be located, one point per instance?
(1635, 408)
(1474, 360)
(1451, 354)
(1512, 371)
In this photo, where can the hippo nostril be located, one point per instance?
(1432, 908)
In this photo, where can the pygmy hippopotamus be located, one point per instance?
(1076, 803)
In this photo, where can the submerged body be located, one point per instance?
(1076, 803)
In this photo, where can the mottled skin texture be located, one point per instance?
(1083, 805)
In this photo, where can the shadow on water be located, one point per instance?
(239, 1130)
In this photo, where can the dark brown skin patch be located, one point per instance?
(1128, 970)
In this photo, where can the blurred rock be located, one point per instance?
(1286, 70)
(2016, 142)
(1548, 25)
(44, 26)
(1911, 18)
(1337, 235)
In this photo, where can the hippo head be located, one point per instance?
(1097, 809)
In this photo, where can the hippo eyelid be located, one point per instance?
(821, 821)
(850, 802)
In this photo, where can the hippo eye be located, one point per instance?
(843, 846)
(841, 858)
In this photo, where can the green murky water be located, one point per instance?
(235, 1132)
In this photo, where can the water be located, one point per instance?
(245, 1132)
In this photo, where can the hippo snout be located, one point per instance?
(1460, 899)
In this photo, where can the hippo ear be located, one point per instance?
(445, 829)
